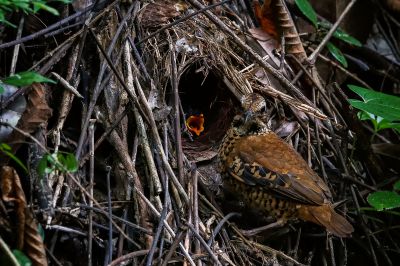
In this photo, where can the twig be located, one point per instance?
(58, 31)
(204, 244)
(97, 89)
(48, 29)
(364, 226)
(156, 136)
(178, 238)
(338, 66)
(313, 57)
(220, 225)
(202, 10)
(331, 251)
(276, 252)
(65, 229)
(276, 73)
(67, 85)
(160, 227)
(114, 217)
(195, 200)
(70, 176)
(104, 136)
(110, 228)
(167, 226)
(145, 144)
(4, 247)
(129, 256)
(91, 184)
(16, 47)
(174, 85)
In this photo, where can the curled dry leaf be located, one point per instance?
(28, 237)
(37, 112)
(158, 13)
(264, 16)
(387, 149)
(267, 43)
(287, 128)
(33, 246)
(12, 192)
(393, 5)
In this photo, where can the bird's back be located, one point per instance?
(269, 175)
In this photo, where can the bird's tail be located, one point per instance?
(326, 216)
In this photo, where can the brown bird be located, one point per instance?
(270, 176)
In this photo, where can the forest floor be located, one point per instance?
(116, 162)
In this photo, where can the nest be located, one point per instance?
(137, 155)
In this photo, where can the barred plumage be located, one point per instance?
(269, 175)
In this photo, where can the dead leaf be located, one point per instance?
(12, 192)
(267, 43)
(33, 246)
(264, 16)
(393, 5)
(37, 112)
(159, 13)
(387, 149)
(28, 237)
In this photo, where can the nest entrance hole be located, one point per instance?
(206, 94)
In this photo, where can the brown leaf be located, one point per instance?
(12, 192)
(393, 5)
(158, 13)
(28, 237)
(264, 16)
(33, 246)
(387, 149)
(267, 43)
(37, 112)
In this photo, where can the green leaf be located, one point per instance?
(59, 161)
(39, 5)
(22, 258)
(1, 89)
(42, 165)
(63, 1)
(396, 185)
(308, 11)
(71, 163)
(5, 148)
(383, 124)
(337, 54)
(377, 103)
(341, 35)
(41, 231)
(26, 78)
(362, 115)
(384, 200)
(3, 20)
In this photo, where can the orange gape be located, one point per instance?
(195, 124)
(265, 17)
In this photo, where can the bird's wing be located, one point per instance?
(269, 161)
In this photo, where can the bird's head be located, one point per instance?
(250, 123)
(247, 126)
(254, 103)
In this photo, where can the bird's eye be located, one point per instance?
(237, 121)
(254, 127)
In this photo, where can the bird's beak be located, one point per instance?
(247, 116)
